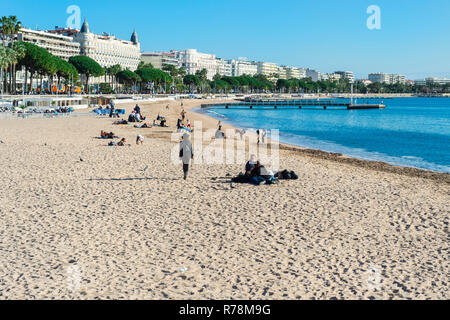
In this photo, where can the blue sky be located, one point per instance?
(328, 35)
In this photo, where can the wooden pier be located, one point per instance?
(294, 104)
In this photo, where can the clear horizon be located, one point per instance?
(413, 39)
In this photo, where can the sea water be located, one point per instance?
(413, 132)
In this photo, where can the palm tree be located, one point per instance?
(9, 27)
(7, 57)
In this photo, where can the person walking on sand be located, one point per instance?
(183, 114)
(186, 153)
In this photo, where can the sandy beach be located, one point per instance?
(81, 220)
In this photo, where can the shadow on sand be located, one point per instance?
(134, 179)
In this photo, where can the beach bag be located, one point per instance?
(294, 176)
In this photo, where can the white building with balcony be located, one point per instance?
(159, 59)
(108, 50)
(346, 75)
(267, 68)
(58, 45)
(192, 61)
(313, 74)
(242, 67)
(224, 67)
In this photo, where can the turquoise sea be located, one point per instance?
(413, 132)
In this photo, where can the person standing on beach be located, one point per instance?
(183, 114)
(258, 134)
(111, 110)
(264, 134)
(219, 126)
(186, 154)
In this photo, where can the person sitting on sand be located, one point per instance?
(219, 134)
(139, 139)
(137, 116)
(251, 164)
(122, 142)
(132, 117)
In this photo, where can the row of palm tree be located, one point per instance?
(10, 54)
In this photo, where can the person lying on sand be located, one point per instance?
(139, 139)
(121, 121)
(106, 135)
(144, 125)
(122, 142)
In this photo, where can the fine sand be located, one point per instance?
(83, 220)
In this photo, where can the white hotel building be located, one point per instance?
(107, 50)
(267, 68)
(58, 45)
(242, 67)
(159, 59)
(224, 67)
(387, 78)
(192, 61)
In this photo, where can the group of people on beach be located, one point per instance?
(254, 173)
(136, 115)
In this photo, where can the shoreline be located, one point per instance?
(342, 158)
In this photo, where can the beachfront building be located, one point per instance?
(59, 45)
(387, 78)
(302, 73)
(242, 67)
(224, 67)
(282, 72)
(346, 75)
(379, 77)
(330, 76)
(267, 68)
(159, 59)
(108, 50)
(192, 61)
(397, 78)
(425, 81)
(292, 72)
(313, 74)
